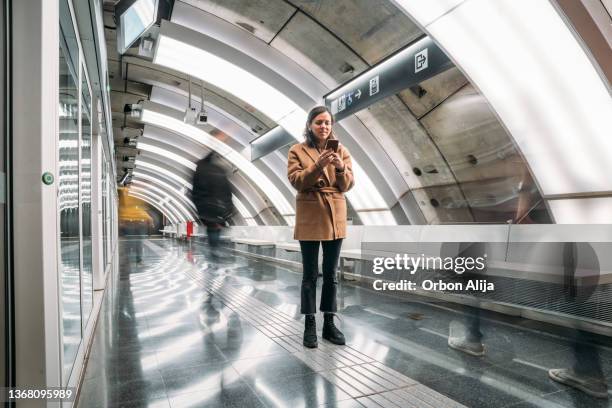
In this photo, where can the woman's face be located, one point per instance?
(321, 127)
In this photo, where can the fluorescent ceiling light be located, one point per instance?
(294, 123)
(160, 199)
(217, 117)
(177, 203)
(154, 204)
(365, 195)
(165, 172)
(527, 63)
(150, 175)
(164, 199)
(171, 212)
(167, 154)
(243, 210)
(582, 210)
(259, 179)
(175, 194)
(181, 193)
(425, 12)
(183, 57)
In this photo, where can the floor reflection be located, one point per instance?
(71, 302)
(167, 341)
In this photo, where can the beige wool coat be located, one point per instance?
(320, 213)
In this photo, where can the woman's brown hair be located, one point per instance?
(314, 112)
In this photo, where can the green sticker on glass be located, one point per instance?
(47, 178)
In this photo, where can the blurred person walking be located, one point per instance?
(581, 264)
(212, 196)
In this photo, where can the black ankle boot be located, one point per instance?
(330, 331)
(310, 332)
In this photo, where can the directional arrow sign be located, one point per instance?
(410, 66)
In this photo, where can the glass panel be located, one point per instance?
(3, 268)
(68, 202)
(135, 21)
(104, 211)
(87, 275)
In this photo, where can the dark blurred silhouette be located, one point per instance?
(468, 338)
(212, 196)
(581, 272)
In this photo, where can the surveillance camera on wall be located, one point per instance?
(190, 114)
(201, 118)
(134, 109)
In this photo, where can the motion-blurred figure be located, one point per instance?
(586, 374)
(468, 338)
(212, 195)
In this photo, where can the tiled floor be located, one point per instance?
(178, 330)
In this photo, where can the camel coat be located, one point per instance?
(320, 213)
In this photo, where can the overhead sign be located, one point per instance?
(412, 65)
(269, 142)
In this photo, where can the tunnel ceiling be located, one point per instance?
(457, 162)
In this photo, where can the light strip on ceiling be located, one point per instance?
(241, 208)
(425, 12)
(164, 198)
(178, 126)
(167, 154)
(180, 56)
(527, 63)
(148, 174)
(139, 174)
(243, 211)
(157, 181)
(596, 210)
(177, 202)
(163, 201)
(165, 172)
(155, 205)
(160, 201)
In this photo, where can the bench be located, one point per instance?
(255, 242)
(165, 231)
(345, 254)
(288, 246)
(348, 254)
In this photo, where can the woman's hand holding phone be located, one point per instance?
(325, 158)
(337, 162)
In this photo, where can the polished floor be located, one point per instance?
(178, 329)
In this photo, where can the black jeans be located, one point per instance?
(310, 263)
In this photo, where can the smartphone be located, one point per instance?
(332, 144)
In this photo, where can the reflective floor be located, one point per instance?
(180, 330)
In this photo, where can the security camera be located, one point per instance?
(201, 117)
(190, 114)
(134, 109)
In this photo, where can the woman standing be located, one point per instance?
(321, 176)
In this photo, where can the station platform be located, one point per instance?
(177, 329)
